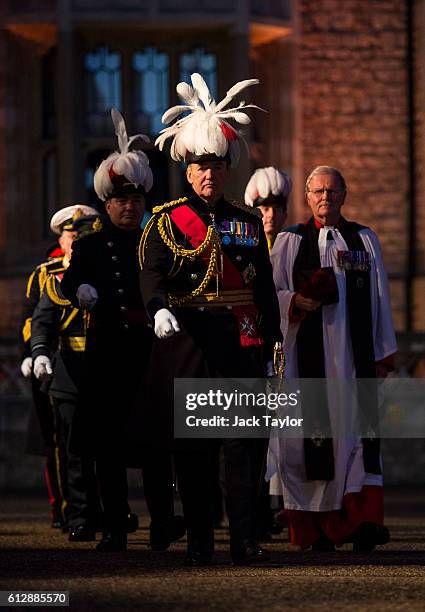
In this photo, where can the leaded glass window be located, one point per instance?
(102, 88)
(198, 60)
(150, 87)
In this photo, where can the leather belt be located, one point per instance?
(72, 343)
(237, 297)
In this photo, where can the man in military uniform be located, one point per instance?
(103, 279)
(268, 189)
(207, 285)
(58, 341)
(42, 431)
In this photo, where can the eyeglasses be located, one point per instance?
(332, 193)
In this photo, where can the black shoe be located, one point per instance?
(57, 523)
(369, 535)
(197, 559)
(81, 533)
(132, 522)
(323, 544)
(250, 552)
(113, 542)
(163, 534)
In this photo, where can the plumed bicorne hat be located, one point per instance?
(124, 172)
(268, 186)
(64, 219)
(205, 133)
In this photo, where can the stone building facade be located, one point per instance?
(342, 80)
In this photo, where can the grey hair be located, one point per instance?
(326, 170)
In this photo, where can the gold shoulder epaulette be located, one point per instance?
(49, 262)
(29, 284)
(246, 208)
(162, 207)
(52, 292)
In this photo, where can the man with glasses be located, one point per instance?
(336, 322)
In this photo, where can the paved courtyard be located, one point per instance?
(35, 557)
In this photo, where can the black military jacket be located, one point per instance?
(107, 260)
(243, 241)
(34, 290)
(58, 331)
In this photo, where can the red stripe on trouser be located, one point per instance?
(365, 506)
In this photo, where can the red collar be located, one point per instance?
(318, 225)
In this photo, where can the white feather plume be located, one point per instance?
(204, 129)
(133, 165)
(265, 182)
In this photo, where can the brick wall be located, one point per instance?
(352, 91)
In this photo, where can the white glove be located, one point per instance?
(165, 324)
(26, 367)
(87, 296)
(42, 367)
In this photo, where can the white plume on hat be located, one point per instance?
(206, 129)
(68, 212)
(266, 182)
(133, 165)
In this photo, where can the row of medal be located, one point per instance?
(239, 233)
(354, 260)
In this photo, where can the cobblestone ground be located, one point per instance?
(35, 557)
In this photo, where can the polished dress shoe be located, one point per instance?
(132, 522)
(369, 535)
(57, 523)
(250, 552)
(81, 533)
(197, 559)
(112, 542)
(163, 534)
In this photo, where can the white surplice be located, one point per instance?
(286, 456)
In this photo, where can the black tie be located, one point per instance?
(329, 235)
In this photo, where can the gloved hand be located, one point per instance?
(165, 324)
(26, 367)
(42, 367)
(87, 296)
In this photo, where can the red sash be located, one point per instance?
(195, 230)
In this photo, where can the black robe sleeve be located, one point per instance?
(265, 296)
(157, 264)
(45, 327)
(32, 296)
(79, 271)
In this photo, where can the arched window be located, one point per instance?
(102, 88)
(150, 89)
(198, 60)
